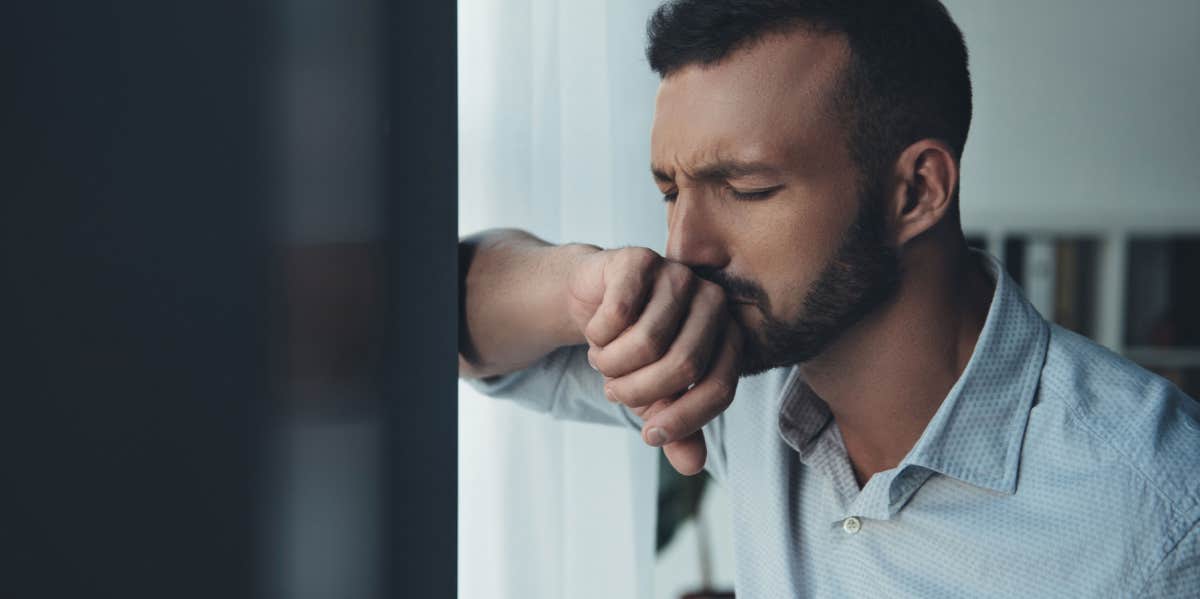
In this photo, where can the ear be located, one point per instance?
(925, 179)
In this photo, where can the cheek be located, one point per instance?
(789, 252)
(787, 297)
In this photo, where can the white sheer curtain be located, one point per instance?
(555, 105)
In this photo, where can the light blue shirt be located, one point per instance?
(1054, 468)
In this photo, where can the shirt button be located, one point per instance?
(851, 525)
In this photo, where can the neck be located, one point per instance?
(885, 377)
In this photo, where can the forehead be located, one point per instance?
(768, 101)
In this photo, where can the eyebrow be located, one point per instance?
(718, 171)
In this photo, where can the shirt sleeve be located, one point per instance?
(563, 385)
(1179, 573)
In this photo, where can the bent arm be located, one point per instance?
(513, 301)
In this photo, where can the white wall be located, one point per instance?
(1084, 110)
(554, 111)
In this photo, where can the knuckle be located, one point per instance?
(597, 329)
(640, 257)
(687, 369)
(599, 361)
(620, 311)
(675, 422)
(722, 391)
(680, 277)
(628, 395)
(645, 347)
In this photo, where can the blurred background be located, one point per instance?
(229, 288)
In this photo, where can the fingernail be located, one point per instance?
(657, 436)
(592, 364)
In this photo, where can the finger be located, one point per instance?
(687, 360)
(647, 411)
(651, 336)
(627, 279)
(687, 455)
(703, 402)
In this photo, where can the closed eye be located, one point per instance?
(750, 195)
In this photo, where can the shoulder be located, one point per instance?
(1148, 424)
(1124, 444)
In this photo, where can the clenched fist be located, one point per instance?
(663, 339)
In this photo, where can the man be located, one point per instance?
(905, 423)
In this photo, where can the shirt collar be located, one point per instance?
(976, 434)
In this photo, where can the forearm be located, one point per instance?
(513, 301)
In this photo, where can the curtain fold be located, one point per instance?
(555, 106)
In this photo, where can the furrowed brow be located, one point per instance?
(731, 169)
(718, 171)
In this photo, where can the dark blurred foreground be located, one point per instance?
(164, 321)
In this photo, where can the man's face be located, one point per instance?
(764, 197)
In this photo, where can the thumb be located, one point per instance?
(687, 455)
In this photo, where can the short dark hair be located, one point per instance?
(907, 79)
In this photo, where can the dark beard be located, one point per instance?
(864, 273)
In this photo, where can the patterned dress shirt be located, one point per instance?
(1053, 468)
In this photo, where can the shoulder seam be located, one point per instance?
(1177, 511)
(1073, 410)
(1194, 530)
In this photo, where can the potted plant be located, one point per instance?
(679, 499)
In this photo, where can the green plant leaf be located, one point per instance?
(679, 499)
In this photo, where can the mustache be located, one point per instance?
(736, 288)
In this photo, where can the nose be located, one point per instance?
(693, 236)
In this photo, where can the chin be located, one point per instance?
(753, 359)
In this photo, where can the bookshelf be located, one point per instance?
(1127, 282)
